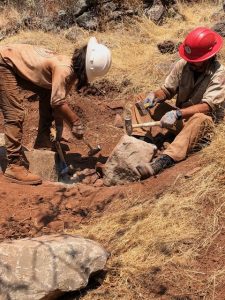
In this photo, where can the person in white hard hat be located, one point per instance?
(31, 72)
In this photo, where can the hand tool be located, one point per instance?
(129, 126)
(142, 108)
(92, 150)
(64, 168)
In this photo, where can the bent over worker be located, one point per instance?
(27, 71)
(198, 82)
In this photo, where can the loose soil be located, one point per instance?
(29, 211)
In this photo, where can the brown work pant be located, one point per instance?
(13, 91)
(188, 135)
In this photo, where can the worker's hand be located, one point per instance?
(144, 170)
(78, 130)
(150, 101)
(169, 119)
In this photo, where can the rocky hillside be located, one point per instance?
(53, 16)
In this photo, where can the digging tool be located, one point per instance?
(129, 126)
(65, 169)
(92, 150)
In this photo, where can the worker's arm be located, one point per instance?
(198, 108)
(170, 118)
(64, 112)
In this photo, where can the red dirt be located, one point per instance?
(28, 211)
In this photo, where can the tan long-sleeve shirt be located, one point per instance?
(41, 66)
(208, 88)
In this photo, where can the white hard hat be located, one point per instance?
(98, 59)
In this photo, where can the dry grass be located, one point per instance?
(8, 17)
(154, 245)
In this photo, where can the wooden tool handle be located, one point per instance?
(148, 124)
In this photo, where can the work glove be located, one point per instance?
(150, 101)
(78, 130)
(169, 119)
(144, 170)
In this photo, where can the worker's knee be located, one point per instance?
(200, 118)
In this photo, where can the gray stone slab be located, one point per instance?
(43, 163)
(121, 165)
(47, 266)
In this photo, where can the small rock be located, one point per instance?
(116, 104)
(167, 47)
(85, 190)
(71, 193)
(70, 204)
(88, 172)
(118, 122)
(99, 183)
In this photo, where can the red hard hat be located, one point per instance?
(200, 45)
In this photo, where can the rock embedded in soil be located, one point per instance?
(118, 121)
(121, 165)
(48, 266)
(43, 163)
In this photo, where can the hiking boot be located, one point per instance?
(160, 163)
(20, 175)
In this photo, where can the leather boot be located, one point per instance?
(20, 175)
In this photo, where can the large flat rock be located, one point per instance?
(48, 266)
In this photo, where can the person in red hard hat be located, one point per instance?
(198, 82)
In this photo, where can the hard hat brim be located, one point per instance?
(91, 45)
(190, 58)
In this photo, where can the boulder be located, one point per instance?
(121, 165)
(88, 21)
(158, 10)
(48, 266)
